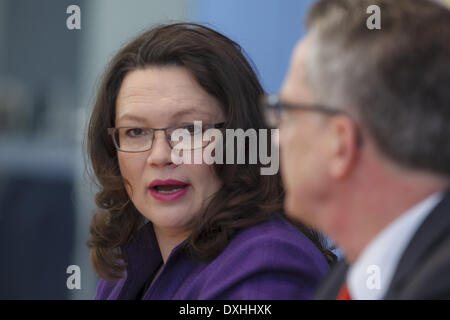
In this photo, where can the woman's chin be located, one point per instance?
(173, 217)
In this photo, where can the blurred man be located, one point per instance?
(365, 145)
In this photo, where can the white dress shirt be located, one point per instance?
(370, 276)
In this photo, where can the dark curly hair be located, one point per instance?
(245, 198)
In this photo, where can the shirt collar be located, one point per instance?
(369, 277)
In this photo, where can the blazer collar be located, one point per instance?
(143, 258)
(435, 225)
(330, 286)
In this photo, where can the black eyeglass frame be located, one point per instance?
(113, 131)
(273, 102)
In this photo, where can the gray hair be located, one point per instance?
(394, 81)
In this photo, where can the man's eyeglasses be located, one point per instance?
(274, 108)
(140, 139)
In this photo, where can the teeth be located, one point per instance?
(169, 191)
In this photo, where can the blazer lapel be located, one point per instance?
(331, 285)
(143, 258)
(435, 225)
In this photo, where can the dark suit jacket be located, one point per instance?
(423, 271)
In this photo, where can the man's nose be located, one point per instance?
(160, 153)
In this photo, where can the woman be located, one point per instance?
(213, 231)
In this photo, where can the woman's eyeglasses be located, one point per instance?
(140, 139)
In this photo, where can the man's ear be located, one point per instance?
(343, 146)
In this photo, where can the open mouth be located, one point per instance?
(169, 188)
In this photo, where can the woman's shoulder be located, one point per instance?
(270, 260)
(274, 243)
(276, 232)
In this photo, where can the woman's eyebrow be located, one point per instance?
(175, 116)
(129, 116)
(189, 112)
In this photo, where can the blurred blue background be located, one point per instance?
(48, 78)
(267, 30)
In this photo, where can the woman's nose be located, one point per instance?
(160, 153)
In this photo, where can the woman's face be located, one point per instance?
(160, 97)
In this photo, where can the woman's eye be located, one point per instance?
(135, 132)
(193, 129)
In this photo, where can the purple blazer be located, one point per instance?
(271, 260)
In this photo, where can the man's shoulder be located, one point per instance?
(422, 270)
(430, 278)
(331, 284)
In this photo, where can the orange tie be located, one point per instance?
(344, 294)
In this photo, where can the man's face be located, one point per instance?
(303, 145)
